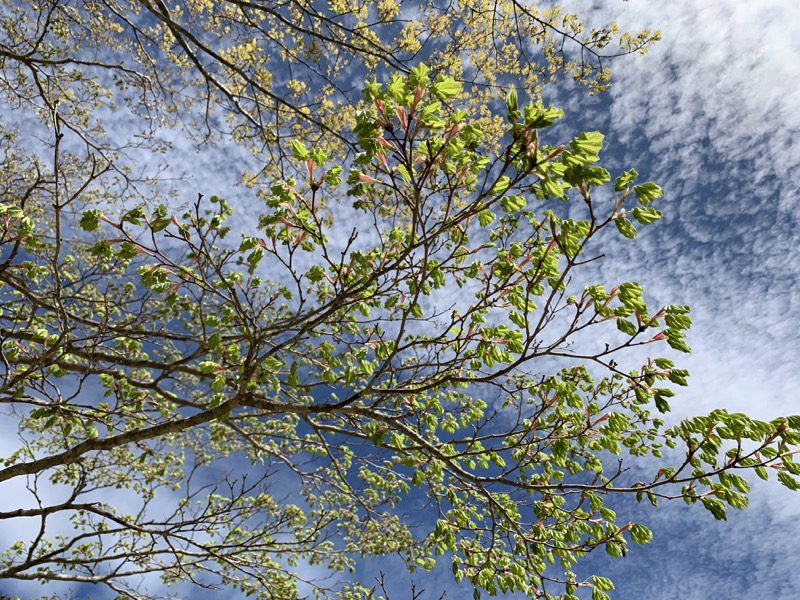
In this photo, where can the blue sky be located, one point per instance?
(711, 114)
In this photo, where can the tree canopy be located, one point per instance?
(262, 71)
(403, 355)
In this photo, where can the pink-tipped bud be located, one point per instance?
(418, 93)
(554, 153)
(659, 315)
(294, 193)
(401, 115)
(288, 207)
(388, 145)
(366, 178)
(454, 131)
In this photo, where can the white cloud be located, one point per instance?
(712, 115)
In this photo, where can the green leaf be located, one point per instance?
(647, 192)
(661, 404)
(299, 150)
(641, 534)
(160, 224)
(419, 76)
(602, 584)
(788, 481)
(679, 376)
(319, 156)
(587, 146)
(417, 478)
(134, 216)
(207, 366)
(630, 294)
(254, 258)
(333, 175)
(214, 341)
(539, 117)
(396, 88)
(91, 219)
(430, 110)
(645, 216)
(371, 91)
(485, 217)
(595, 176)
(677, 340)
(625, 227)
(272, 364)
(403, 173)
(553, 188)
(10, 211)
(677, 320)
(618, 422)
(512, 204)
(218, 384)
(624, 180)
(315, 273)
(445, 87)
(501, 185)
(715, 507)
(626, 326)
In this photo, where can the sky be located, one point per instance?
(711, 114)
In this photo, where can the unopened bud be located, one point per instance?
(418, 93)
(366, 178)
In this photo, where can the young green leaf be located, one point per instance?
(625, 180)
(647, 192)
